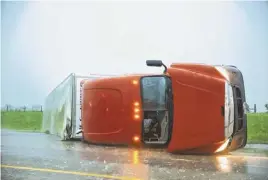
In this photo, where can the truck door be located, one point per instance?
(156, 94)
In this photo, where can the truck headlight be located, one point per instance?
(229, 111)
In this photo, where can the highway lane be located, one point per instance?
(35, 156)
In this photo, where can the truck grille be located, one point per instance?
(239, 106)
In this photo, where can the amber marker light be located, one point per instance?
(136, 138)
(135, 82)
(136, 110)
(136, 116)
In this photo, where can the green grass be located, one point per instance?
(258, 128)
(30, 120)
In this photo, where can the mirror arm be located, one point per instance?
(165, 71)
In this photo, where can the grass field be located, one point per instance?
(257, 124)
(258, 128)
(31, 121)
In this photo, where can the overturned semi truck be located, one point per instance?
(189, 108)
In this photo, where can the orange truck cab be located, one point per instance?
(190, 108)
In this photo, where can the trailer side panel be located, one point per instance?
(58, 109)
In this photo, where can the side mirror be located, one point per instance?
(156, 63)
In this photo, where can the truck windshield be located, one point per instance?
(153, 92)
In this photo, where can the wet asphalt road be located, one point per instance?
(36, 156)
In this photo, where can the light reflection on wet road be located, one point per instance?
(48, 153)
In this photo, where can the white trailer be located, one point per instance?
(61, 112)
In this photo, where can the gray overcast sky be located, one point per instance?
(42, 42)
